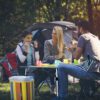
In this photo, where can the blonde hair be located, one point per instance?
(60, 39)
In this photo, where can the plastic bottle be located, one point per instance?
(76, 61)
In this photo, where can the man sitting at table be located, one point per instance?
(89, 47)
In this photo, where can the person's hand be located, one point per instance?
(71, 47)
(59, 56)
(26, 47)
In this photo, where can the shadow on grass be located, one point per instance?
(45, 93)
(44, 96)
(4, 91)
(4, 95)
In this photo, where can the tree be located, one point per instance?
(17, 15)
(90, 14)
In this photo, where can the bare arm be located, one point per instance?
(47, 54)
(80, 47)
(77, 54)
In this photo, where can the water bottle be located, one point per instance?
(57, 62)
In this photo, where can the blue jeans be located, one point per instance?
(70, 69)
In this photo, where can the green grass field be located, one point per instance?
(4, 91)
(44, 92)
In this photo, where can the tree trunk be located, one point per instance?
(90, 14)
(67, 9)
(58, 10)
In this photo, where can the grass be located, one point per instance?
(44, 92)
(4, 91)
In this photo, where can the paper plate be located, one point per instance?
(48, 65)
(45, 65)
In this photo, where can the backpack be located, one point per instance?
(10, 65)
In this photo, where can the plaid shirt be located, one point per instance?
(91, 64)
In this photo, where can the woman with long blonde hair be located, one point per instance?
(53, 50)
(58, 31)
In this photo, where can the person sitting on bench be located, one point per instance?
(89, 47)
